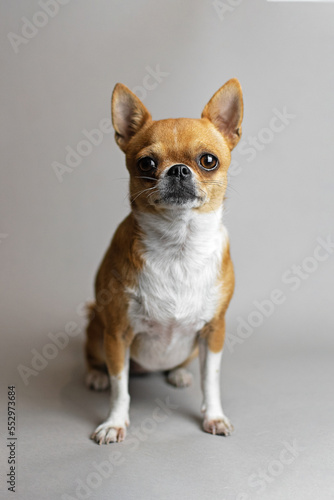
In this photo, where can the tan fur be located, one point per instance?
(109, 324)
(215, 330)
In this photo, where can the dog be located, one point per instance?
(167, 278)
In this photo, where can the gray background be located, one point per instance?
(277, 383)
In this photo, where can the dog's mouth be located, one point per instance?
(179, 195)
(172, 192)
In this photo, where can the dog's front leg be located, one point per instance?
(215, 422)
(114, 428)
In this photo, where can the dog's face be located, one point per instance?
(178, 163)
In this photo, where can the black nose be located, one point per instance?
(180, 171)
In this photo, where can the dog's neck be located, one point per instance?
(181, 231)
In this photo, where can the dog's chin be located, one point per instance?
(175, 201)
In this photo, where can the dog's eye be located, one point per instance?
(208, 161)
(146, 164)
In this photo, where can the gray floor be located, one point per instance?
(279, 397)
(277, 379)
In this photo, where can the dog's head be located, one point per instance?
(179, 162)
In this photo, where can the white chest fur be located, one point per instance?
(177, 290)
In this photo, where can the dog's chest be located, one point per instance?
(178, 288)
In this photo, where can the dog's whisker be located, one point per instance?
(141, 192)
(231, 188)
(154, 190)
(144, 177)
(152, 193)
(218, 183)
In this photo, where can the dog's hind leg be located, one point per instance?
(180, 376)
(97, 374)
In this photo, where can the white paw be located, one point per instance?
(180, 377)
(97, 380)
(219, 425)
(109, 433)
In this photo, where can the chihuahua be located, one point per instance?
(166, 280)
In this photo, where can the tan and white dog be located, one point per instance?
(166, 280)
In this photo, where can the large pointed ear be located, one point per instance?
(128, 114)
(225, 111)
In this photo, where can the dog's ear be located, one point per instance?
(128, 114)
(225, 111)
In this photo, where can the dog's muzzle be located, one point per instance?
(177, 187)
